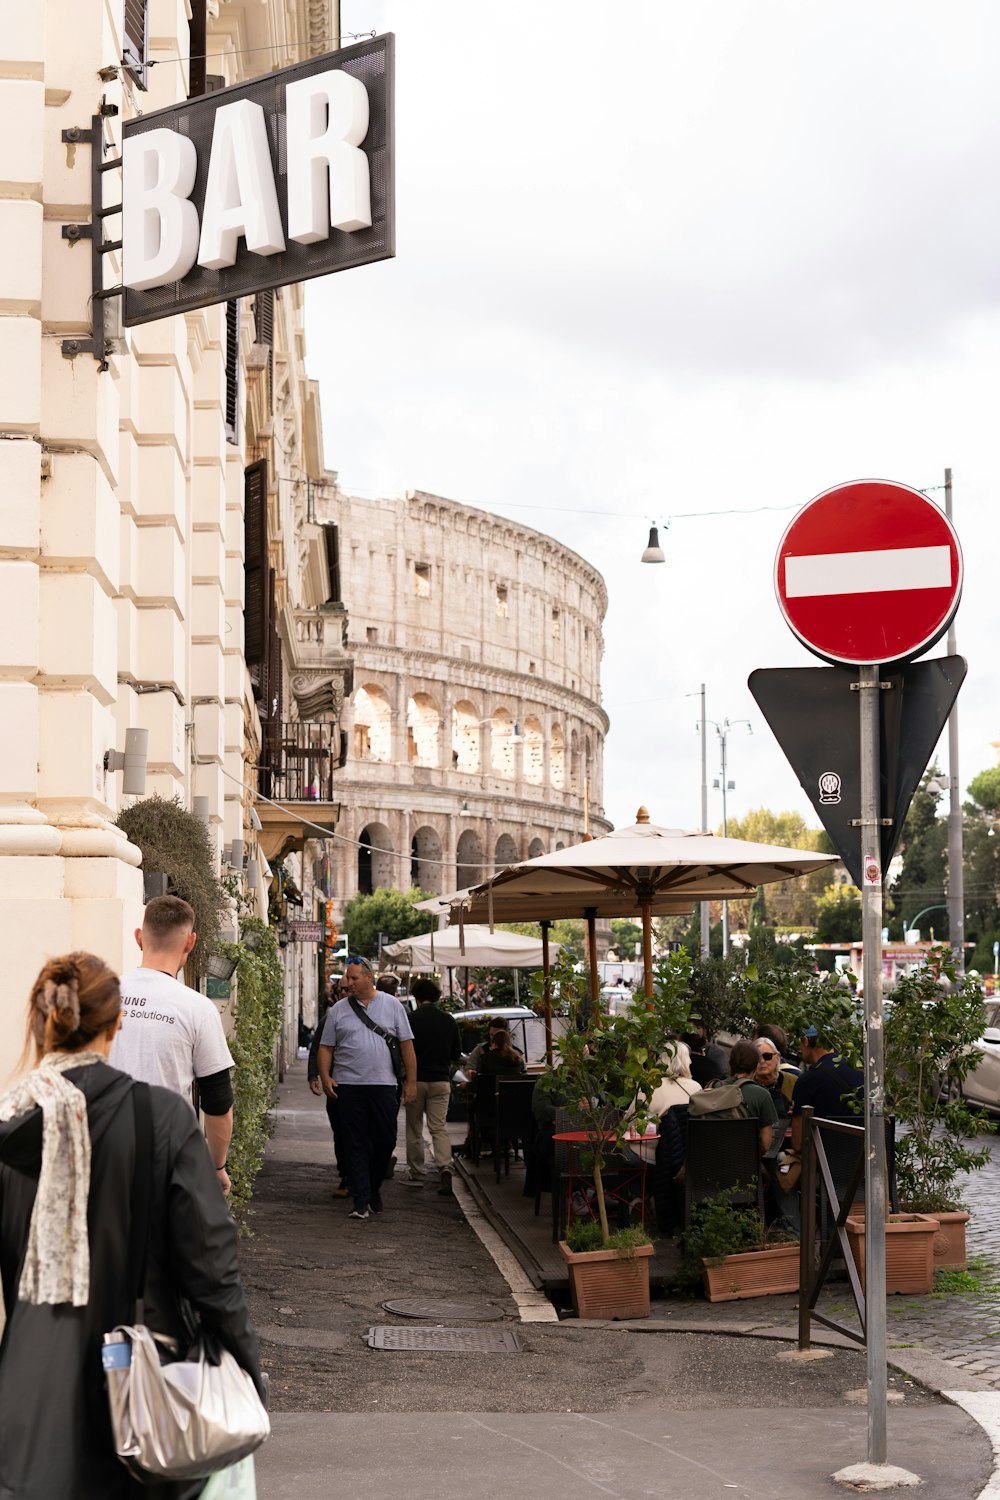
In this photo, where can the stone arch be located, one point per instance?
(465, 737)
(426, 869)
(375, 859)
(505, 852)
(536, 848)
(534, 751)
(574, 762)
(372, 724)
(557, 758)
(502, 743)
(470, 858)
(423, 731)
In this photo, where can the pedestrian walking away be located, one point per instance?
(67, 1152)
(342, 1190)
(172, 1036)
(438, 1047)
(356, 1068)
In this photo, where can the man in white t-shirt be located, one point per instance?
(170, 1034)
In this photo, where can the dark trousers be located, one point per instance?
(368, 1127)
(333, 1115)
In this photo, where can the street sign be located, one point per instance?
(812, 712)
(869, 573)
(306, 932)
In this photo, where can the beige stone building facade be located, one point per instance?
(161, 567)
(475, 735)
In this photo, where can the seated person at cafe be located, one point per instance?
(495, 1026)
(501, 1059)
(678, 1084)
(770, 1076)
(704, 1069)
(787, 1070)
(743, 1063)
(830, 1085)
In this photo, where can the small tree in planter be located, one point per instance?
(933, 1021)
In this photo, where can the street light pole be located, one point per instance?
(706, 920)
(956, 874)
(722, 730)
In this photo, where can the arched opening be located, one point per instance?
(505, 852)
(557, 758)
(470, 859)
(374, 859)
(465, 738)
(534, 752)
(423, 731)
(574, 762)
(588, 769)
(372, 724)
(535, 849)
(502, 743)
(426, 869)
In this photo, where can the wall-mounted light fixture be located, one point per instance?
(200, 808)
(131, 761)
(233, 855)
(255, 822)
(253, 874)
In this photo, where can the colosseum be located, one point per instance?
(475, 735)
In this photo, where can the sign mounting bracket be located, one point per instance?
(99, 342)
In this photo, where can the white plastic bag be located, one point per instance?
(238, 1482)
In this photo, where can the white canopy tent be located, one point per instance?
(482, 949)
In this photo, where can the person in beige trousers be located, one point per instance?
(438, 1047)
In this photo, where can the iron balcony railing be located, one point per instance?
(298, 760)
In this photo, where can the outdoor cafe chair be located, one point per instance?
(722, 1158)
(618, 1175)
(482, 1115)
(514, 1121)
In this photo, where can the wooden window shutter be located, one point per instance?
(263, 314)
(256, 613)
(274, 669)
(198, 37)
(233, 370)
(135, 39)
(331, 536)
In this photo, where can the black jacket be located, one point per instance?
(436, 1042)
(55, 1436)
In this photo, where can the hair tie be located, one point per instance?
(63, 998)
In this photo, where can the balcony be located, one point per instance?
(297, 765)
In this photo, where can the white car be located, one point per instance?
(981, 1084)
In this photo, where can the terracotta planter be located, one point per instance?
(756, 1273)
(609, 1283)
(909, 1251)
(949, 1242)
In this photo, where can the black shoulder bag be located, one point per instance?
(392, 1042)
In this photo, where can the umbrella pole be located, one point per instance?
(547, 991)
(595, 983)
(647, 948)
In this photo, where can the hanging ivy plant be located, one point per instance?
(176, 843)
(256, 1025)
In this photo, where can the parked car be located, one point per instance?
(982, 1082)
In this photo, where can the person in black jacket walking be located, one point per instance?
(438, 1046)
(64, 1243)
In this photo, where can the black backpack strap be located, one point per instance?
(363, 1015)
(142, 1196)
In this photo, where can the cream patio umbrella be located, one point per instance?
(642, 869)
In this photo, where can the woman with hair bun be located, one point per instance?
(67, 1153)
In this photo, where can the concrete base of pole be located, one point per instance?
(803, 1356)
(865, 1477)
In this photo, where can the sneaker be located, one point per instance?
(359, 1213)
(390, 1169)
(444, 1186)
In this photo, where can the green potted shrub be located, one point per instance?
(609, 1070)
(734, 1255)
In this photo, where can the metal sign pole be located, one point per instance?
(875, 1158)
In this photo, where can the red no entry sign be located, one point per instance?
(869, 572)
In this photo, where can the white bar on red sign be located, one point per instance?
(888, 571)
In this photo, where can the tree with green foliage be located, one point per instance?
(624, 936)
(838, 914)
(568, 932)
(922, 881)
(981, 862)
(789, 903)
(385, 910)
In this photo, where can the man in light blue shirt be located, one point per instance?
(356, 1069)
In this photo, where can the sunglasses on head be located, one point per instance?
(356, 958)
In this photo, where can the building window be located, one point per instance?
(556, 625)
(198, 38)
(331, 539)
(586, 635)
(422, 580)
(135, 42)
(233, 370)
(531, 668)
(256, 610)
(502, 607)
(371, 635)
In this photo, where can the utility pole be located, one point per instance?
(722, 730)
(956, 874)
(706, 920)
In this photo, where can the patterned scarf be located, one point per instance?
(57, 1259)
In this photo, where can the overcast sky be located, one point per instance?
(667, 259)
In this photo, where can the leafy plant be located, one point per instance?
(719, 1228)
(390, 911)
(612, 1067)
(930, 1030)
(256, 1024)
(177, 843)
(586, 1235)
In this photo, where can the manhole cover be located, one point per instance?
(446, 1340)
(444, 1312)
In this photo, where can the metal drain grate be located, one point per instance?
(446, 1340)
(443, 1312)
